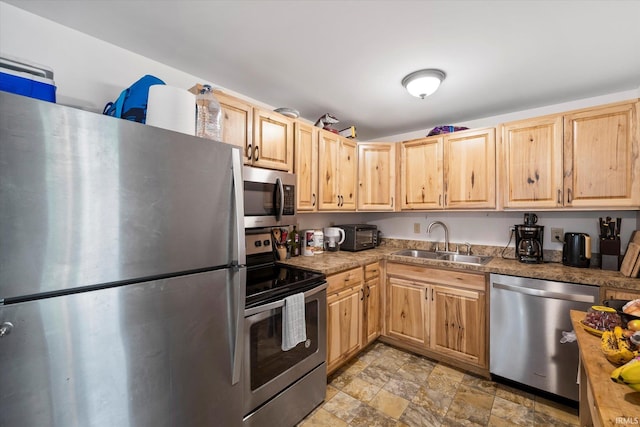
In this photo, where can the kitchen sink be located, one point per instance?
(417, 253)
(450, 257)
(466, 259)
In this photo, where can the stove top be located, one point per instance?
(272, 282)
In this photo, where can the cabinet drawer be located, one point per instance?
(345, 279)
(460, 279)
(371, 271)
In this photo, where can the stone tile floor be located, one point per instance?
(384, 386)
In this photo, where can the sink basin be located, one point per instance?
(450, 257)
(417, 253)
(466, 259)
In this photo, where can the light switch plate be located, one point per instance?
(416, 227)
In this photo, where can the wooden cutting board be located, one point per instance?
(630, 260)
(636, 270)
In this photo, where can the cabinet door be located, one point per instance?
(611, 293)
(348, 173)
(421, 174)
(237, 123)
(470, 169)
(273, 140)
(328, 158)
(344, 325)
(372, 310)
(376, 176)
(458, 319)
(601, 161)
(407, 311)
(306, 166)
(531, 160)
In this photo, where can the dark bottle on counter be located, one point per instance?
(295, 242)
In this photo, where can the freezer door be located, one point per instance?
(152, 354)
(88, 199)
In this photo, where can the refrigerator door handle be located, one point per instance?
(239, 292)
(238, 187)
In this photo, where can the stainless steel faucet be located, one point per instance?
(446, 233)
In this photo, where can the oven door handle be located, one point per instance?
(280, 303)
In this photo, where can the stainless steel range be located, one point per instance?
(281, 387)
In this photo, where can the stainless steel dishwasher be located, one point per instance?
(527, 318)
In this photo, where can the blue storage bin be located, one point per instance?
(28, 79)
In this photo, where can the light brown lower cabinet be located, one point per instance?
(407, 311)
(438, 313)
(371, 318)
(613, 293)
(353, 313)
(345, 308)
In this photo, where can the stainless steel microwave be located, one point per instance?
(269, 198)
(358, 237)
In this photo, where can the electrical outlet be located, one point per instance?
(557, 234)
(512, 230)
(416, 227)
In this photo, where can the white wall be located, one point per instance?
(90, 72)
(518, 115)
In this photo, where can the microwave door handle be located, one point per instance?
(281, 190)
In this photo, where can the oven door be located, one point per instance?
(267, 369)
(269, 198)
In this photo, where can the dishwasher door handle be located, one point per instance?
(545, 294)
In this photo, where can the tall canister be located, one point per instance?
(318, 242)
(307, 242)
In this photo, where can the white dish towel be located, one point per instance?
(294, 327)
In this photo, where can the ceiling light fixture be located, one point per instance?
(423, 82)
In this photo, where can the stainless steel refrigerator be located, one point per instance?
(121, 272)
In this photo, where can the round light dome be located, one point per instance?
(423, 82)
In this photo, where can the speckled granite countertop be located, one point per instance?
(335, 262)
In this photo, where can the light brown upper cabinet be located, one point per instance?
(266, 137)
(470, 169)
(306, 166)
(376, 176)
(454, 171)
(585, 159)
(531, 157)
(601, 157)
(272, 140)
(421, 174)
(237, 123)
(337, 172)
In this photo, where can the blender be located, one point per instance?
(333, 237)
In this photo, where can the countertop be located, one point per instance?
(615, 402)
(335, 262)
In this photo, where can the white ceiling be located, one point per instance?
(347, 58)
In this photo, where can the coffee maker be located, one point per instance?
(529, 240)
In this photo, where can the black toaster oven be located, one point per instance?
(358, 237)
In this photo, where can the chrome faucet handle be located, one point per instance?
(468, 245)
